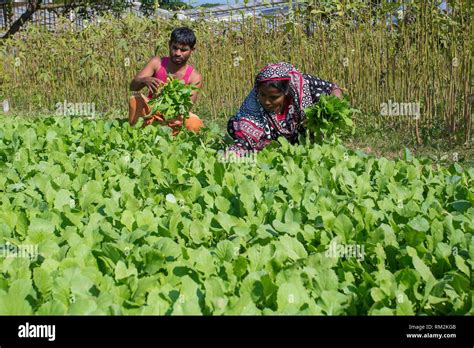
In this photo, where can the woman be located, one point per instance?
(275, 107)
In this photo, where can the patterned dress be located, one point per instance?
(253, 127)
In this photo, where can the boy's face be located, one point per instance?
(179, 53)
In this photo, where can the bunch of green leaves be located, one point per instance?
(330, 117)
(173, 99)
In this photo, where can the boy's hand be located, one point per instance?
(152, 83)
(176, 122)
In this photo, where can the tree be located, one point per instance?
(84, 9)
(209, 5)
(149, 7)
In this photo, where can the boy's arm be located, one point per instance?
(196, 80)
(145, 77)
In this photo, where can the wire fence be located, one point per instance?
(48, 18)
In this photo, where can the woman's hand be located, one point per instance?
(337, 92)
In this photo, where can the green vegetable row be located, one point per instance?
(120, 220)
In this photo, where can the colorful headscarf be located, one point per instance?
(298, 92)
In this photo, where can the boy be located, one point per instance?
(181, 46)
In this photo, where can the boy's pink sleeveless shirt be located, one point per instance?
(162, 75)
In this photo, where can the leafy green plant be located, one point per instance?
(121, 227)
(330, 116)
(173, 99)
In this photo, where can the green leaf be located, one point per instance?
(377, 294)
(188, 300)
(82, 307)
(63, 197)
(461, 264)
(291, 227)
(240, 266)
(14, 305)
(243, 305)
(202, 260)
(381, 311)
(330, 117)
(222, 204)
(144, 218)
(343, 227)
(326, 279)
(21, 288)
(226, 221)
(292, 248)
(199, 233)
(461, 206)
(122, 272)
(290, 298)
(53, 307)
(407, 156)
(419, 224)
(226, 250)
(153, 261)
(404, 305)
(215, 295)
(419, 265)
(128, 219)
(333, 302)
(219, 171)
(90, 193)
(43, 280)
(41, 225)
(169, 248)
(14, 302)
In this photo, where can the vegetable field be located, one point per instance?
(120, 220)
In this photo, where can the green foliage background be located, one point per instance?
(374, 53)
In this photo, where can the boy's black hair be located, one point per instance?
(184, 36)
(281, 85)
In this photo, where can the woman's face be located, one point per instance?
(271, 98)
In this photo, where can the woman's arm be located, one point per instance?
(317, 87)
